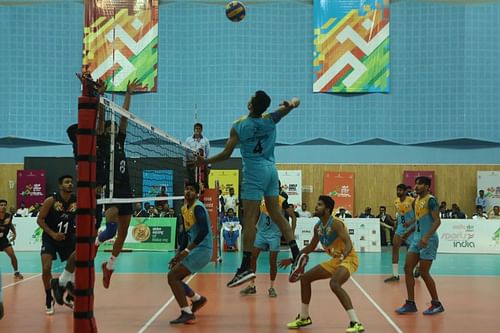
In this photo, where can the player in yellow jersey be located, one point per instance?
(334, 237)
(405, 219)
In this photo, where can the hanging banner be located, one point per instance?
(291, 183)
(154, 180)
(409, 177)
(351, 46)
(226, 179)
(489, 182)
(340, 186)
(30, 187)
(210, 198)
(120, 42)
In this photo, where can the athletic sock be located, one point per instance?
(187, 309)
(245, 263)
(352, 316)
(395, 270)
(48, 298)
(304, 311)
(111, 263)
(64, 278)
(196, 297)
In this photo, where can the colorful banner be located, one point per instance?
(30, 187)
(210, 199)
(227, 179)
(351, 46)
(340, 186)
(120, 42)
(409, 177)
(489, 182)
(291, 183)
(153, 180)
(148, 233)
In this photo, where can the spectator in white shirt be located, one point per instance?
(231, 201)
(22, 211)
(201, 145)
(479, 215)
(303, 212)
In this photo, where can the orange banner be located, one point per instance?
(340, 186)
(210, 199)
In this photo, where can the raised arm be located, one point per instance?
(284, 109)
(131, 87)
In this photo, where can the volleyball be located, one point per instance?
(235, 11)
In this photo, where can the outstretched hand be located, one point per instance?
(133, 86)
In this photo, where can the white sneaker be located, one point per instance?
(50, 311)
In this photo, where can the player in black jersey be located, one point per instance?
(117, 215)
(6, 226)
(57, 220)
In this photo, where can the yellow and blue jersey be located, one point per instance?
(405, 213)
(191, 226)
(423, 214)
(329, 239)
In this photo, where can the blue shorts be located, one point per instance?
(400, 231)
(427, 253)
(198, 258)
(267, 241)
(259, 183)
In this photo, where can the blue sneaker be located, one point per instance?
(407, 308)
(436, 307)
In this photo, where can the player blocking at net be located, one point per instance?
(256, 134)
(118, 215)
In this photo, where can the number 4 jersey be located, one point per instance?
(61, 217)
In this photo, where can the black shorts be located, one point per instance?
(4, 243)
(64, 248)
(121, 191)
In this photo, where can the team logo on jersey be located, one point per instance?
(58, 206)
(72, 208)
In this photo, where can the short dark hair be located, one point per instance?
(62, 178)
(229, 209)
(479, 206)
(382, 207)
(3, 200)
(193, 184)
(423, 180)
(198, 125)
(261, 102)
(481, 191)
(401, 187)
(328, 201)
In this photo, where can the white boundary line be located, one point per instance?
(158, 313)
(26, 279)
(385, 315)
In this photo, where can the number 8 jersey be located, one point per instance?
(61, 216)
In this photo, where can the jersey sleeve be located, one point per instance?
(433, 205)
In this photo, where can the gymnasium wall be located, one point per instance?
(8, 172)
(375, 185)
(445, 69)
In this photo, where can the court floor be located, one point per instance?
(140, 300)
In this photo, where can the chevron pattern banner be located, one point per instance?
(351, 46)
(120, 42)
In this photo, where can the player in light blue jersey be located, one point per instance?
(423, 248)
(256, 135)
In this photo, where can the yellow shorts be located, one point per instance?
(351, 263)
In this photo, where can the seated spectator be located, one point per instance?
(367, 213)
(479, 215)
(164, 210)
(495, 213)
(443, 212)
(343, 214)
(139, 211)
(171, 212)
(303, 212)
(152, 212)
(386, 226)
(456, 213)
(230, 229)
(22, 211)
(35, 210)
